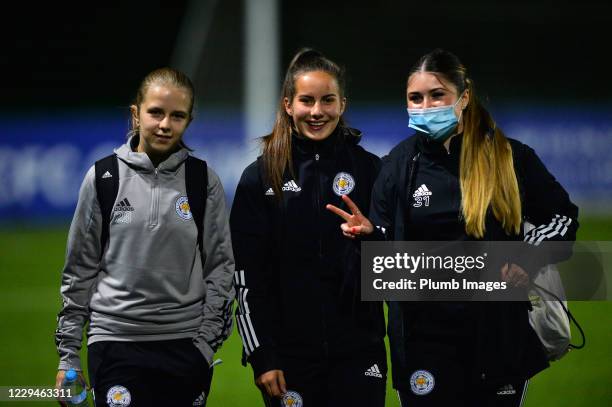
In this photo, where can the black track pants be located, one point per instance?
(508, 395)
(159, 373)
(356, 381)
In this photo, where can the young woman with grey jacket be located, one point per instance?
(154, 287)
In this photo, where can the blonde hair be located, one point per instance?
(168, 77)
(486, 168)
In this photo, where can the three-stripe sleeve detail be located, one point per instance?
(557, 227)
(525, 386)
(243, 316)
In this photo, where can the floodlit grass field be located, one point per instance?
(30, 265)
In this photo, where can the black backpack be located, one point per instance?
(107, 187)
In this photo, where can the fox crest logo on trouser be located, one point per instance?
(292, 399)
(118, 396)
(422, 382)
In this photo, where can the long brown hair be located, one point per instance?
(162, 76)
(277, 145)
(486, 169)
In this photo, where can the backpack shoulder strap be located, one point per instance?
(107, 187)
(196, 184)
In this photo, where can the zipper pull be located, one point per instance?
(316, 157)
(156, 172)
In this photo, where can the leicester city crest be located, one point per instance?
(344, 183)
(292, 399)
(422, 382)
(182, 208)
(118, 396)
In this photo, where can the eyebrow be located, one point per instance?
(430, 91)
(154, 107)
(324, 96)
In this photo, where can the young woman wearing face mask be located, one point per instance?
(460, 178)
(155, 288)
(306, 334)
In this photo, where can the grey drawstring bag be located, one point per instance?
(549, 316)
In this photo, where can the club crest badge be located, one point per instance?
(182, 208)
(422, 382)
(118, 396)
(292, 399)
(344, 183)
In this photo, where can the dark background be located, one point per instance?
(517, 51)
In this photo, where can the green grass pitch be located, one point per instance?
(30, 266)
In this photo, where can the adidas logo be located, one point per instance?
(201, 400)
(422, 191)
(421, 196)
(124, 205)
(291, 186)
(123, 212)
(506, 390)
(373, 371)
(107, 175)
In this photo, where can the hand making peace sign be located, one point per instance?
(356, 224)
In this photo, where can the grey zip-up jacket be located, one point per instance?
(150, 284)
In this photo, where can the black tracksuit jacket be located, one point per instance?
(498, 342)
(297, 278)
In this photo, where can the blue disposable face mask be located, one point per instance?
(437, 122)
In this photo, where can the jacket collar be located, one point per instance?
(305, 146)
(430, 147)
(142, 161)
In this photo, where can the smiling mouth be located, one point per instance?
(316, 125)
